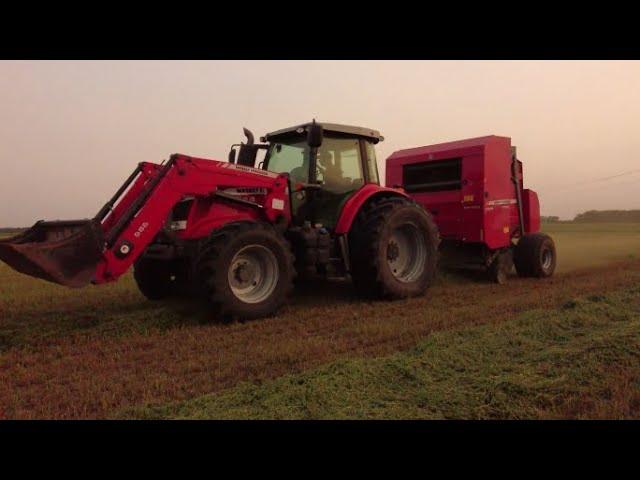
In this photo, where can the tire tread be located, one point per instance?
(367, 274)
(209, 261)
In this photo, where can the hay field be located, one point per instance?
(467, 349)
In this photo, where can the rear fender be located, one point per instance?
(354, 204)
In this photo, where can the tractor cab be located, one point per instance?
(326, 163)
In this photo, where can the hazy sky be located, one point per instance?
(71, 132)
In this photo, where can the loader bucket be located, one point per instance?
(63, 252)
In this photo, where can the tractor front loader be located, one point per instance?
(236, 234)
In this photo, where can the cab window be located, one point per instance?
(289, 158)
(339, 165)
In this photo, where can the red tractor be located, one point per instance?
(474, 190)
(236, 234)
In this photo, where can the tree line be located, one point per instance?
(608, 216)
(600, 216)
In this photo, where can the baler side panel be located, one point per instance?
(500, 197)
(472, 198)
(515, 214)
(531, 210)
(446, 209)
(445, 206)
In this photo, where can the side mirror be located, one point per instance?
(314, 135)
(232, 155)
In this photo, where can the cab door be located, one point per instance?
(340, 174)
(292, 158)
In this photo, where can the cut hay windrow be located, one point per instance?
(91, 372)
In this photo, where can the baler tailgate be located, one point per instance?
(63, 252)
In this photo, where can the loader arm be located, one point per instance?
(102, 249)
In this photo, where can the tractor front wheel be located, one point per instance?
(535, 256)
(393, 244)
(245, 270)
(155, 278)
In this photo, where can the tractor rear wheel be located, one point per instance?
(394, 245)
(535, 256)
(155, 278)
(245, 270)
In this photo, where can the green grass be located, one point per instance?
(34, 311)
(92, 352)
(582, 359)
(591, 244)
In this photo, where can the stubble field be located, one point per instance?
(566, 347)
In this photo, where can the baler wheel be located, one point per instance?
(535, 256)
(501, 267)
(155, 278)
(245, 270)
(394, 245)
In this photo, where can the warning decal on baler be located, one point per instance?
(504, 201)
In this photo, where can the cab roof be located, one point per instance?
(327, 127)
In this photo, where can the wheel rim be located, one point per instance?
(547, 259)
(406, 253)
(253, 274)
